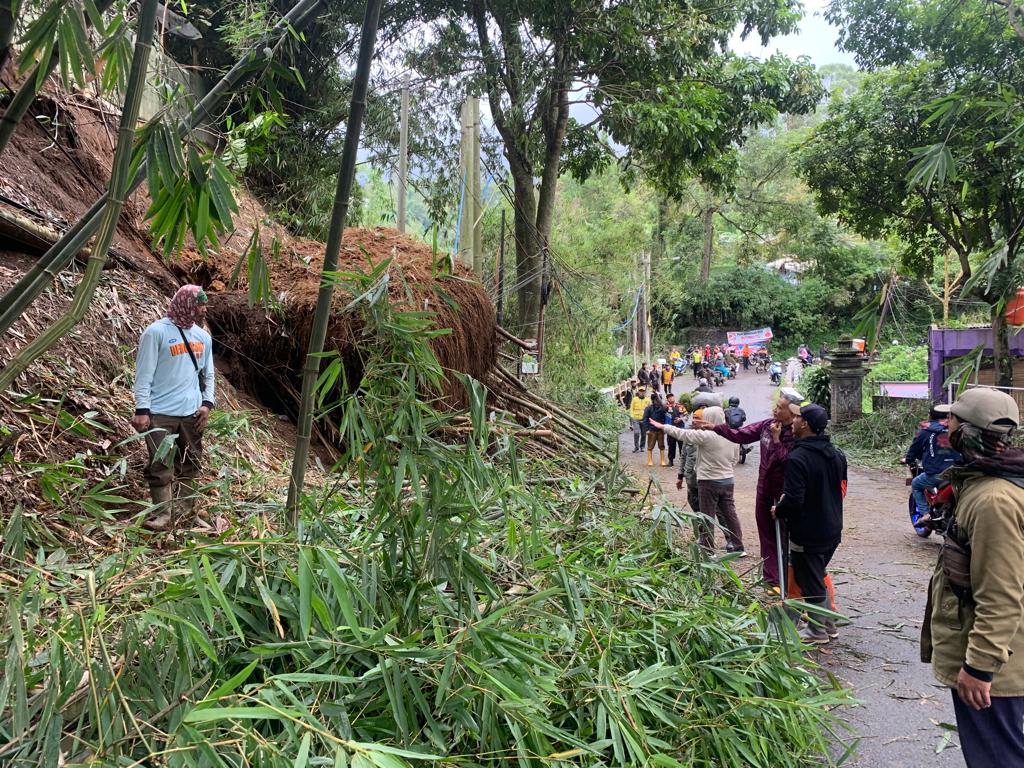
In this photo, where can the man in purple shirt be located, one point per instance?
(776, 438)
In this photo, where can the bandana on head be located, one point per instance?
(182, 309)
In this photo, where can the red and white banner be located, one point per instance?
(753, 338)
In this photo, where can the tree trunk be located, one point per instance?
(529, 255)
(709, 244)
(1001, 349)
(658, 235)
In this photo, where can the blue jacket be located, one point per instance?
(931, 447)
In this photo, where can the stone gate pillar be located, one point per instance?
(848, 373)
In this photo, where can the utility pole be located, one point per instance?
(501, 270)
(403, 155)
(644, 311)
(470, 228)
(478, 216)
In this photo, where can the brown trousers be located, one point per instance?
(716, 501)
(180, 457)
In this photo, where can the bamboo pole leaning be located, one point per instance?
(29, 89)
(8, 22)
(118, 190)
(21, 295)
(339, 215)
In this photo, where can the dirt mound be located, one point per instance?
(58, 164)
(273, 342)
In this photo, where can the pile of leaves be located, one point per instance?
(439, 602)
(881, 438)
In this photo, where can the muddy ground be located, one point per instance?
(881, 572)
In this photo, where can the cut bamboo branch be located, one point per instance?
(117, 193)
(18, 298)
(39, 237)
(339, 214)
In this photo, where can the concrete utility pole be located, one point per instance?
(465, 191)
(476, 186)
(501, 271)
(403, 156)
(646, 318)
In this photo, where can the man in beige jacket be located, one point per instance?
(972, 630)
(716, 461)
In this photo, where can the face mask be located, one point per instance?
(956, 439)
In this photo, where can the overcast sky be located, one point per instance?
(816, 39)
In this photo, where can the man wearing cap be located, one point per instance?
(972, 628)
(174, 392)
(775, 436)
(812, 505)
(637, 406)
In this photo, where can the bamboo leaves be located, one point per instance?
(190, 188)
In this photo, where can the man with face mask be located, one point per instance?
(972, 632)
(174, 392)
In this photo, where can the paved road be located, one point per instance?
(881, 572)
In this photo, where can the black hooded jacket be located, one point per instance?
(813, 491)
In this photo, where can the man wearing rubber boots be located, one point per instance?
(174, 392)
(972, 632)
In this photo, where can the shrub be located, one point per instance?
(816, 384)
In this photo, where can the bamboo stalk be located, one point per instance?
(117, 194)
(21, 295)
(339, 214)
(514, 339)
(29, 89)
(8, 21)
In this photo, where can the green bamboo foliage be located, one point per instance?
(58, 39)
(339, 214)
(20, 296)
(117, 193)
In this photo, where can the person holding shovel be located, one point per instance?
(776, 438)
(174, 394)
(814, 485)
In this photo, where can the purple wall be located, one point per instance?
(947, 343)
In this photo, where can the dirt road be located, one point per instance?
(881, 572)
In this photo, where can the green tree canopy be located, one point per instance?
(662, 88)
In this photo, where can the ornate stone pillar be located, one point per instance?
(848, 373)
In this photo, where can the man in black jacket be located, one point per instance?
(812, 506)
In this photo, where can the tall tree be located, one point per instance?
(909, 156)
(662, 90)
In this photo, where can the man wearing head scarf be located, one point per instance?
(174, 393)
(972, 631)
(776, 438)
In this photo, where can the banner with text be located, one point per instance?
(753, 338)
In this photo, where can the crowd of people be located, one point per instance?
(800, 470)
(971, 630)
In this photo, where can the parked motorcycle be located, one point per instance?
(940, 505)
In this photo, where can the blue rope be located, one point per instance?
(632, 317)
(458, 224)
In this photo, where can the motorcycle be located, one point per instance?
(940, 505)
(762, 363)
(776, 374)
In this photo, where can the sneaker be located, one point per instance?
(831, 628)
(814, 635)
(739, 552)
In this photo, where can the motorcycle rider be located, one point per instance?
(775, 372)
(735, 416)
(930, 447)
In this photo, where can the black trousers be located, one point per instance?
(991, 737)
(809, 570)
(673, 444)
